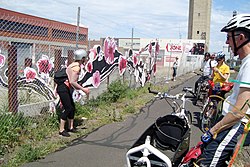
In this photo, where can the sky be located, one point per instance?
(155, 19)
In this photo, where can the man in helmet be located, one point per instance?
(222, 71)
(65, 93)
(207, 68)
(219, 149)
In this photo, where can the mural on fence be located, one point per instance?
(100, 65)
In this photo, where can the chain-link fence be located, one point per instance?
(30, 51)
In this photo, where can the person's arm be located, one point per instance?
(223, 76)
(234, 116)
(55, 90)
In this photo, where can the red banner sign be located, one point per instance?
(174, 48)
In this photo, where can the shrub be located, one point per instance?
(116, 90)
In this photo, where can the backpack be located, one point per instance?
(60, 76)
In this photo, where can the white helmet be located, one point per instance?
(79, 54)
(238, 22)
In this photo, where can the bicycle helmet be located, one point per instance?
(79, 54)
(220, 55)
(212, 56)
(239, 22)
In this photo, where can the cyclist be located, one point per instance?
(213, 61)
(222, 71)
(217, 151)
(207, 69)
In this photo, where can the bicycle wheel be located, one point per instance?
(208, 116)
(189, 116)
(198, 94)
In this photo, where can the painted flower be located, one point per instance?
(122, 64)
(154, 69)
(135, 60)
(30, 74)
(44, 65)
(96, 79)
(2, 60)
(89, 66)
(150, 48)
(109, 50)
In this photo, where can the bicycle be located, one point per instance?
(213, 104)
(167, 140)
(201, 89)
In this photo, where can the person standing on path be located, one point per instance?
(64, 91)
(175, 65)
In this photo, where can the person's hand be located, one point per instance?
(207, 137)
(86, 90)
(216, 69)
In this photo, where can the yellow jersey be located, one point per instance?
(224, 69)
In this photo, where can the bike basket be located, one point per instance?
(169, 131)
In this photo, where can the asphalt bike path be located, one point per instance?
(107, 146)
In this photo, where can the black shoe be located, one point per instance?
(64, 133)
(73, 130)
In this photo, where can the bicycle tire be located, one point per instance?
(198, 94)
(204, 99)
(189, 117)
(208, 116)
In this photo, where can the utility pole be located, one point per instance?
(77, 28)
(131, 76)
(132, 39)
(89, 44)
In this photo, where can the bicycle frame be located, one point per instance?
(147, 149)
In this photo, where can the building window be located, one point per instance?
(198, 32)
(22, 28)
(61, 34)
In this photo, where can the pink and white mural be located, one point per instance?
(101, 63)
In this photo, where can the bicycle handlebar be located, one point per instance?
(177, 96)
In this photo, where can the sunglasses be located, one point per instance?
(228, 36)
(218, 59)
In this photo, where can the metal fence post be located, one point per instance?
(70, 56)
(57, 62)
(12, 79)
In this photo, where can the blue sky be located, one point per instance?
(116, 18)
